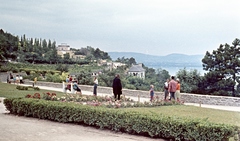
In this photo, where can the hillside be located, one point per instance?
(168, 60)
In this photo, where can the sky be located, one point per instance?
(155, 27)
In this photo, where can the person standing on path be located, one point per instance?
(172, 87)
(35, 81)
(21, 79)
(177, 93)
(117, 87)
(95, 81)
(166, 93)
(151, 91)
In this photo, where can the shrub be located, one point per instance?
(22, 88)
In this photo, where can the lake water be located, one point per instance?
(173, 70)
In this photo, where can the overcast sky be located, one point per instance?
(156, 27)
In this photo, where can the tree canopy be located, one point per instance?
(223, 66)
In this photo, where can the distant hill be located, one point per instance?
(168, 60)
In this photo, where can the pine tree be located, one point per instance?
(222, 65)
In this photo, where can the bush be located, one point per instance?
(27, 87)
(22, 88)
(54, 78)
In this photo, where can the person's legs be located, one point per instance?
(95, 90)
(166, 94)
(119, 96)
(115, 97)
(177, 95)
(173, 95)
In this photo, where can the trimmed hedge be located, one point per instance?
(158, 126)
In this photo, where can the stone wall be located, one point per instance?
(186, 97)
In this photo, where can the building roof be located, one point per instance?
(136, 68)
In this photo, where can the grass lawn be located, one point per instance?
(187, 111)
(213, 115)
(9, 90)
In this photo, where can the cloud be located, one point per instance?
(156, 27)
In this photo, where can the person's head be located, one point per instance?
(167, 80)
(178, 80)
(172, 77)
(152, 86)
(117, 75)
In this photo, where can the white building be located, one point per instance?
(137, 70)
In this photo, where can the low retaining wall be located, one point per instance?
(186, 97)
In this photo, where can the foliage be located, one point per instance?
(27, 87)
(41, 51)
(162, 76)
(54, 78)
(223, 68)
(8, 46)
(62, 67)
(128, 61)
(106, 77)
(189, 80)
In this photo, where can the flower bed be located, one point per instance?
(105, 101)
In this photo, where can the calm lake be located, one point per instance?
(173, 70)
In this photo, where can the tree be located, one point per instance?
(8, 46)
(162, 76)
(190, 80)
(223, 66)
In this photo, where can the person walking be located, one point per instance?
(117, 87)
(172, 87)
(151, 91)
(95, 81)
(166, 93)
(177, 93)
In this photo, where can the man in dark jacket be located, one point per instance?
(117, 87)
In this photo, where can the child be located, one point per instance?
(151, 91)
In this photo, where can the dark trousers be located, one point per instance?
(165, 94)
(172, 95)
(117, 96)
(95, 89)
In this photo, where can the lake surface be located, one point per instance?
(174, 69)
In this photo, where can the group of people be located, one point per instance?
(172, 89)
(70, 81)
(18, 79)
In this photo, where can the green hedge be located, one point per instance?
(159, 126)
